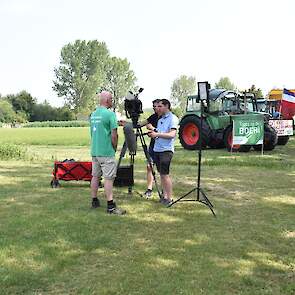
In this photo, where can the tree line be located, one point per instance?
(85, 68)
(22, 107)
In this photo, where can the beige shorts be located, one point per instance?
(104, 166)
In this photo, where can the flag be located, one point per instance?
(288, 104)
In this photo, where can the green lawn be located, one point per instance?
(51, 242)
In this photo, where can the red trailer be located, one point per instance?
(69, 170)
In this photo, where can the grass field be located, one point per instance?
(78, 136)
(51, 242)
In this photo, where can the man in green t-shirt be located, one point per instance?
(104, 140)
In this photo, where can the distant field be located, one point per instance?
(46, 136)
(51, 242)
(70, 136)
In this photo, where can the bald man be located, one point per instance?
(104, 140)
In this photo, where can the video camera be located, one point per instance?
(133, 106)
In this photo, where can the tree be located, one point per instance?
(64, 114)
(256, 91)
(45, 112)
(21, 117)
(225, 83)
(86, 67)
(181, 88)
(119, 80)
(7, 114)
(22, 104)
(81, 71)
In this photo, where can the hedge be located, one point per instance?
(38, 124)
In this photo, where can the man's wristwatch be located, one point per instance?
(155, 130)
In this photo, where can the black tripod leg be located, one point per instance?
(147, 156)
(155, 179)
(182, 197)
(208, 207)
(206, 202)
(205, 197)
(122, 154)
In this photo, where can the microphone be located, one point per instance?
(130, 138)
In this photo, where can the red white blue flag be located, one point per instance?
(288, 104)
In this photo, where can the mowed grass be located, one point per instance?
(51, 242)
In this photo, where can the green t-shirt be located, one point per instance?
(102, 122)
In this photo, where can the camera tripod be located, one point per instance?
(131, 143)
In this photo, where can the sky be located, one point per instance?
(249, 41)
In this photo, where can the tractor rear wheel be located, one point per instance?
(270, 139)
(216, 140)
(282, 140)
(228, 140)
(189, 132)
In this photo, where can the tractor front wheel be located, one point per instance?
(282, 140)
(270, 139)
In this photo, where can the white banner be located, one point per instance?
(282, 127)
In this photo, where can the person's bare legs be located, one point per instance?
(108, 188)
(94, 186)
(150, 178)
(167, 186)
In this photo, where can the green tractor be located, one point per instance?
(217, 123)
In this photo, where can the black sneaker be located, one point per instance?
(148, 193)
(166, 202)
(116, 211)
(95, 203)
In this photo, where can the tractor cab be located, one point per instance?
(218, 102)
(225, 102)
(193, 104)
(261, 105)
